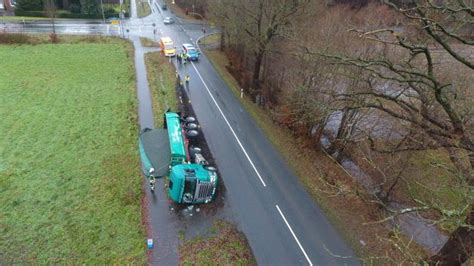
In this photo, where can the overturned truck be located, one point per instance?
(170, 152)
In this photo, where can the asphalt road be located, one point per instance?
(282, 223)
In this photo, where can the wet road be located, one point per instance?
(264, 198)
(282, 223)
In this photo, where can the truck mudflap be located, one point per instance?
(154, 148)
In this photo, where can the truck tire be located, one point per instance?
(210, 168)
(190, 119)
(191, 125)
(192, 133)
(193, 150)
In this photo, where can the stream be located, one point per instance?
(421, 230)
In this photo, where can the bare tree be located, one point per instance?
(50, 10)
(407, 80)
(259, 22)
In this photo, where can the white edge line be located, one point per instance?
(294, 236)
(228, 124)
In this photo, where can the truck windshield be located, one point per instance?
(190, 185)
(169, 46)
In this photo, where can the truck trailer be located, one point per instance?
(167, 152)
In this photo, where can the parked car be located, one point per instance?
(168, 20)
(191, 52)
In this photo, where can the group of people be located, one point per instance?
(182, 58)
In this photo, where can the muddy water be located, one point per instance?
(412, 224)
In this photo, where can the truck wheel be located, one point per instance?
(190, 119)
(193, 151)
(192, 133)
(210, 168)
(191, 126)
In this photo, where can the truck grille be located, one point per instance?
(203, 191)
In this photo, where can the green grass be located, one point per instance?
(162, 81)
(146, 42)
(226, 246)
(431, 178)
(70, 185)
(19, 19)
(211, 39)
(143, 8)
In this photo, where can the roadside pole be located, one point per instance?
(102, 7)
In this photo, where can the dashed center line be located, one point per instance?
(294, 236)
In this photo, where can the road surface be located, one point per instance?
(282, 223)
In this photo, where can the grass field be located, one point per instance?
(70, 185)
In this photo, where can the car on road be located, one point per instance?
(168, 20)
(191, 52)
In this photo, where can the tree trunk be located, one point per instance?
(256, 72)
(459, 247)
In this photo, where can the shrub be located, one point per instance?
(53, 37)
(11, 38)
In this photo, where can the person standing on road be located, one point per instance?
(187, 79)
(178, 58)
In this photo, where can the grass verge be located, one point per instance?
(143, 8)
(341, 199)
(162, 80)
(20, 19)
(226, 246)
(146, 42)
(70, 185)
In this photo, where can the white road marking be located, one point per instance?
(293, 233)
(228, 124)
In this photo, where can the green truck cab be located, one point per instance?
(191, 184)
(167, 152)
